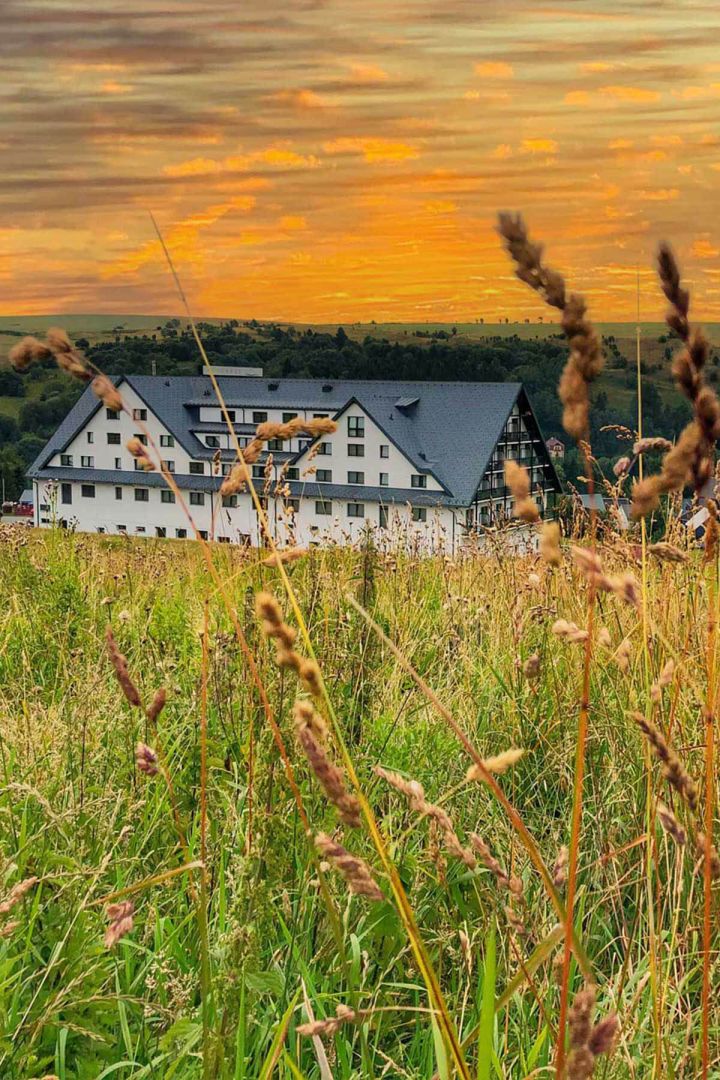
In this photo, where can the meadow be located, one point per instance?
(223, 966)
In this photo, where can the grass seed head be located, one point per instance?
(121, 922)
(354, 870)
(122, 674)
(146, 759)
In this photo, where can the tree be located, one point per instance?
(11, 385)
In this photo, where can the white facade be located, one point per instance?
(333, 490)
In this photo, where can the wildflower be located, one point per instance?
(354, 870)
(121, 922)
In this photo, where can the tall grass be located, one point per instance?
(361, 831)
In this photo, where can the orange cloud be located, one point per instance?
(440, 206)
(633, 95)
(504, 150)
(374, 150)
(702, 248)
(494, 69)
(539, 146)
(577, 97)
(279, 157)
(300, 99)
(112, 87)
(660, 195)
(293, 222)
(368, 73)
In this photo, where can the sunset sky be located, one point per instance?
(343, 160)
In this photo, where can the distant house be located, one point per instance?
(25, 503)
(556, 449)
(591, 502)
(408, 458)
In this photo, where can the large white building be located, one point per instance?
(419, 462)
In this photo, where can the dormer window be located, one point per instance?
(417, 480)
(356, 427)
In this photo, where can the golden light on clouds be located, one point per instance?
(331, 161)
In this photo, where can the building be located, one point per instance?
(556, 448)
(416, 460)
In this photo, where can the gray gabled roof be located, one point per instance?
(449, 430)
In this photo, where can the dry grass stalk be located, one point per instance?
(623, 653)
(307, 726)
(512, 884)
(119, 663)
(354, 870)
(691, 459)
(623, 585)
(274, 626)
(415, 794)
(146, 759)
(588, 1041)
(585, 361)
(708, 850)
(107, 392)
(560, 867)
(517, 479)
(343, 1015)
(670, 824)
(569, 630)
(16, 894)
(651, 446)
(664, 680)
(666, 552)
(139, 452)
(550, 543)
(157, 705)
(121, 922)
(497, 765)
(673, 769)
(289, 555)
(58, 345)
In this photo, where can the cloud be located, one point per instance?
(368, 74)
(660, 195)
(702, 248)
(539, 146)
(299, 99)
(577, 97)
(278, 157)
(293, 222)
(631, 95)
(501, 151)
(494, 69)
(440, 206)
(113, 87)
(374, 150)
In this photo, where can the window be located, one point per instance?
(356, 478)
(167, 440)
(139, 414)
(275, 444)
(113, 438)
(91, 436)
(419, 513)
(101, 528)
(325, 448)
(140, 529)
(356, 510)
(292, 506)
(169, 465)
(226, 468)
(167, 496)
(383, 479)
(259, 417)
(118, 463)
(288, 416)
(87, 491)
(320, 415)
(383, 517)
(418, 481)
(122, 528)
(356, 449)
(118, 493)
(66, 493)
(138, 466)
(203, 534)
(87, 462)
(293, 473)
(213, 442)
(229, 501)
(258, 472)
(323, 507)
(324, 476)
(181, 534)
(356, 427)
(160, 531)
(112, 414)
(197, 498)
(384, 450)
(141, 439)
(142, 495)
(197, 468)
(66, 459)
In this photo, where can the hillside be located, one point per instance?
(32, 405)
